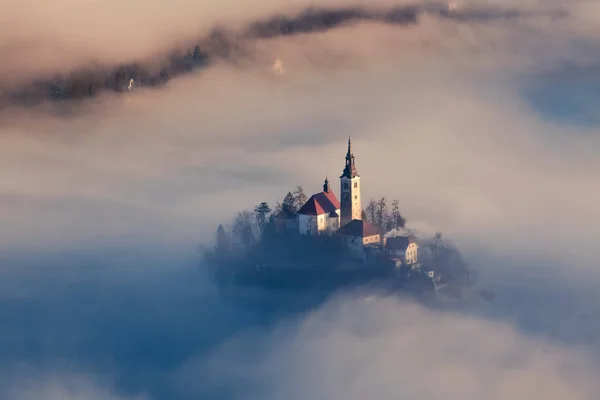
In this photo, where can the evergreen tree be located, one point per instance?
(437, 243)
(248, 238)
(261, 212)
(164, 75)
(270, 229)
(198, 55)
(222, 241)
(289, 203)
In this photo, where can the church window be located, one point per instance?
(345, 185)
(355, 185)
(355, 197)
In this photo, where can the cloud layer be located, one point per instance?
(104, 202)
(381, 347)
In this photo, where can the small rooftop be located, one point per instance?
(359, 228)
(397, 243)
(319, 204)
(286, 214)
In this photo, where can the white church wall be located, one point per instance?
(311, 225)
(350, 199)
(354, 245)
(307, 224)
(356, 200)
(321, 223)
(333, 223)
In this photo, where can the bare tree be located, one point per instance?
(397, 220)
(277, 208)
(381, 213)
(371, 211)
(299, 197)
(242, 228)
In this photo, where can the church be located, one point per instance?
(324, 214)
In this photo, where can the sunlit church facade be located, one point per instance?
(323, 213)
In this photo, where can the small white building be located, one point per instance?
(396, 247)
(405, 245)
(320, 213)
(412, 252)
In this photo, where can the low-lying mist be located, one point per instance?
(105, 203)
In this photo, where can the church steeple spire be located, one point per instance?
(350, 168)
(349, 154)
(350, 204)
(326, 187)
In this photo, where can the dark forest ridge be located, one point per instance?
(223, 44)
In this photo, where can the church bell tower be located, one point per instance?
(350, 204)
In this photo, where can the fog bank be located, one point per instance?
(484, 129)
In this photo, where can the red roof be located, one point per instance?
(319, 204)
(358, 227)
(331, 196)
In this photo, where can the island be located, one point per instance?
(320, 242)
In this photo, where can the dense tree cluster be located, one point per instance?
(248, 227)
(254, 251)
(292, 201)
(378, 214)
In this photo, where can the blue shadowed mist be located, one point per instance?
(566, 97)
